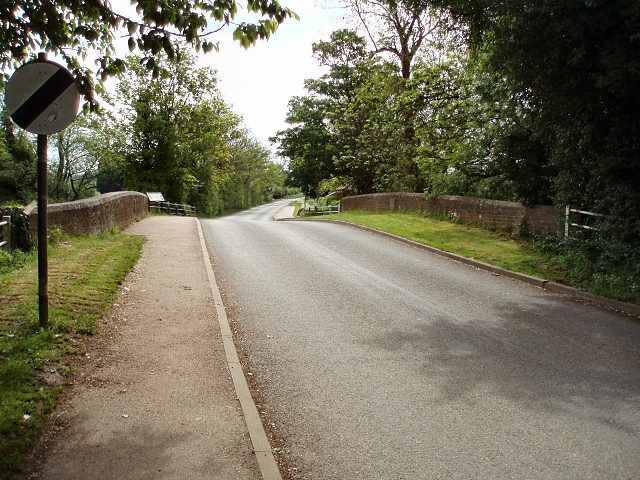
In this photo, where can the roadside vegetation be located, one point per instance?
(35, 363)
(546, 257)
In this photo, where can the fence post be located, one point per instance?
(566, 222)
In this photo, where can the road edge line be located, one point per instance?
(261, 446)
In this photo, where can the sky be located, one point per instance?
(259, 82)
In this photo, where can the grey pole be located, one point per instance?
(43, 259)
(43, 277)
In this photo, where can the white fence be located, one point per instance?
(323, 210)
(5, 233)
(581, 217)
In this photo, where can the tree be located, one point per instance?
(411, 32)
(206, 139)
(307, 144)
(252, 175)
(82, 147)
(76, 30)
(440, 96)
(335, 128)
(178, 128)
(18, 173)
(402, 28)
(184, 141)
(575, 67)
(369, 135)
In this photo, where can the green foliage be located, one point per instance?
(79, 30)
(20, 235)
(307, 144)
(566, 74)
(251, 181)
(375, 125)
(90, 141)
(12, 261)
(184, 141)
(18, 173)
(595, 266)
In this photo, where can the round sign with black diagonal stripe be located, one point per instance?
(42, 97)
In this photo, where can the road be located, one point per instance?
(377, 360)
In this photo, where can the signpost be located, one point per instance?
(42, 98)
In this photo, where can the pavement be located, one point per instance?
(158, 394)
(285, 213)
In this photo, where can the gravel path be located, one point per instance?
(155, 399)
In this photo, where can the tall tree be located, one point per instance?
(81, 147)
(575, 67)
(252, 176)
(177, 122)
(307, 143)
(402, 28)
(408, 31)
(328, 131)
(184, 141)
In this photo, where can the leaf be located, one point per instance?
(132, 27)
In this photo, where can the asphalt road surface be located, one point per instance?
(381, 361)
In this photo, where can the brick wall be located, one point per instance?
(96, 214)
(539, 218)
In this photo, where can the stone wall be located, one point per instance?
(539, 218)
(96, 214)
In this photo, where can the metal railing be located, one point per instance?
(173, 208)
(5, 233)
(578, 224)
(323, 210)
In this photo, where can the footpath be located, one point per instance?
(156, 398)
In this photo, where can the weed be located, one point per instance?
(57, 235)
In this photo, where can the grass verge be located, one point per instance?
(546, 258)
(493, 247)
(84, 275)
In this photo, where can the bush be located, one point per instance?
(12, 261)
(597, 262)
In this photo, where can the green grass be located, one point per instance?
(493, 247)
(546, 257)
(84, 275)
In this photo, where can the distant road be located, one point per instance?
(382, 361)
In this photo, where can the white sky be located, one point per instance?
(259, 82)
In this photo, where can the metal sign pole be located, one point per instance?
(42, 97)
(43, 277)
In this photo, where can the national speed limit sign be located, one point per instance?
(42, 97)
